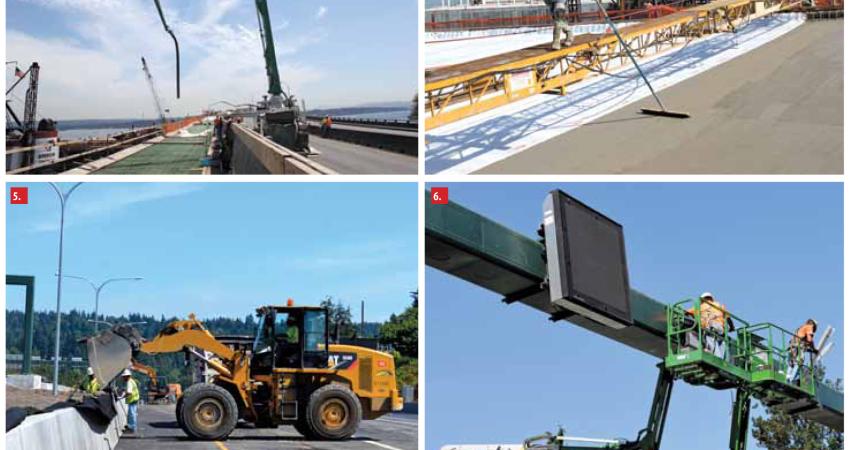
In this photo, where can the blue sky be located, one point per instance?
(498, 374)
(330, 52)
(219, 248)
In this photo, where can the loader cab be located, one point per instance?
(291, 337)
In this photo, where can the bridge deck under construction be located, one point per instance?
(458, 91)
(172, 155)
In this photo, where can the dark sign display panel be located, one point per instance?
(586, 259)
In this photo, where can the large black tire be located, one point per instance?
(177, 412)
(301, 427)
(208, 412)
(333, 413)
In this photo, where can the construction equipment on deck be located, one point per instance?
(158, 389)
(176, 45)
(458, 91)
(291, 375)
(751, 359)
(26, 132)
(157, 103)
(283, 121)
(663, 112)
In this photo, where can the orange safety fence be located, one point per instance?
(180, 124)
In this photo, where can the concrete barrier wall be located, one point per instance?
(406, 143)
(66, 429)
(253, 154)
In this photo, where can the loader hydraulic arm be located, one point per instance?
(180, 334)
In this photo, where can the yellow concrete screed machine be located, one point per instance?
(288, 375)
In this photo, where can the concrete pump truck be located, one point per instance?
(288, 375)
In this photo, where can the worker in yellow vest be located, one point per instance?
(91, 385)
(131, 396)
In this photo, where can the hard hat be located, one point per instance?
(706, 295)
(90, 371)
(814, 322)
(126, 373)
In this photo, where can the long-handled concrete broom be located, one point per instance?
(664, 112)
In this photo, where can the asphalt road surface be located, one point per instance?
(774, 110)
(159, 430)
(347, 158)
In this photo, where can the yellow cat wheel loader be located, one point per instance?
(289, 375)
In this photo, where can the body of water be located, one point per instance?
(88, 133)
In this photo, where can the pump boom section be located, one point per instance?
(753, 358)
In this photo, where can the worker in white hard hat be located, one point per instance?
(91, 385)
(131, 396)
(801, 343)
(715, 319)
(558, 9)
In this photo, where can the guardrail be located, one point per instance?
(394, 140)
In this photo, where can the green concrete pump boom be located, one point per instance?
(176, 45)
(476, 249)
(267, 38)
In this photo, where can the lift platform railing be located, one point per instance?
(701, 333)
(774, 352)
(709, 345)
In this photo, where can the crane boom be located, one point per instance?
(267, 39)
(156, 100)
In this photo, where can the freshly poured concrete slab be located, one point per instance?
(776, 110)
(472, 144)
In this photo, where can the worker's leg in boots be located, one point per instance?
(559, 16)
(568, 31)
(132, 413)
(556, 36)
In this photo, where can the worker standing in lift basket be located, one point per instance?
(131, 396)
(803, 342)
(714, 318)
(558, 9)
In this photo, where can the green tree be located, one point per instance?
(339, 318)
(778, 430)
(402, 331)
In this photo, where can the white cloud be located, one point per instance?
(98, 74)
(323, 10)
(87, 206)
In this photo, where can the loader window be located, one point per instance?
(315, 339)
(286, 328)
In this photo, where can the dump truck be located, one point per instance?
(291, 375)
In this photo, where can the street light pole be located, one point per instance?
(97, 289)
(63, 199)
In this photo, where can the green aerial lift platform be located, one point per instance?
(476, 249)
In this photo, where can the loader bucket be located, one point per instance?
(109, 354)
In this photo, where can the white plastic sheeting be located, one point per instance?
(475, 142)
(66, 429)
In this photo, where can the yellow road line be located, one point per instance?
(220, 446)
